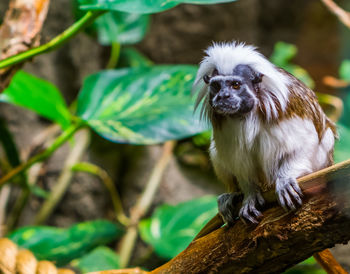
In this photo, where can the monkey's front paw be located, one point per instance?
(249, 212)
(288, 193)
(228, 204)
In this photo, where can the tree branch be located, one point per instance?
(281, 239)
(56, 42)
(342, 15)
(20, 32)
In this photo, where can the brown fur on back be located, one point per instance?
(302, 102)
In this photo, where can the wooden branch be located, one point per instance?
(335, 82)
(342, 15)
(20, 31)
(281, 239)
(122, 271)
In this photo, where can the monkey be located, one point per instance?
(268, 128)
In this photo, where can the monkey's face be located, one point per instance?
(233, 94)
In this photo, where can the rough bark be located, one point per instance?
(281, 239)
(20, 31)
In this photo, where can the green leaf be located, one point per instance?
(145, 105)
(300, 73)
(130, 57)
(342, 146)
(8, 144)
(140, 6)
(120, 27)
(309, 266)
(172, 228)
(39, 192)
(344, 70)
(282, 55)
(101, 258)
(202, 139)
(63, 245)
(12, 154)
(33, 93)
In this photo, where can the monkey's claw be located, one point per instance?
(288, 193)
(249, 212)
(228, 204)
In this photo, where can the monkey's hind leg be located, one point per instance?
(229, 205)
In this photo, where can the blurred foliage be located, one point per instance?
(282, 56)
(121, 27)
(101, 258)
(202, 139)
(172, 228)
(145, 105)
(309, 266)
(63, 245)
(7, 141)
(140, 6)
(344, 74)
(139, 104)
(130, 57)
(344, 70)
(342, 147)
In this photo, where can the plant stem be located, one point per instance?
(114, 57)
(16, 211)
(57, 192)
(59, 40)
(108, 182)
(43, 139)
(4, 197)
(147, 196)
(66, 135)
(144, 203)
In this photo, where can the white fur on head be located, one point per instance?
(226, 56)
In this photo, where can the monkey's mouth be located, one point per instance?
(233, 109)
(226, 109)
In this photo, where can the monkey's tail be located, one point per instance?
(327, 261)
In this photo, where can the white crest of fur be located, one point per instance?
(226, 56)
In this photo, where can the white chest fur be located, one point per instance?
(290, 148)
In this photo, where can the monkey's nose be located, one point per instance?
(223, 95)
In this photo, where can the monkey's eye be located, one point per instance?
(236, 84)
(206, 79)
(215, 86)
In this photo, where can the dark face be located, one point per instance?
(233, 94)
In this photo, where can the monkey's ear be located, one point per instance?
(206, 78)
(257, 77)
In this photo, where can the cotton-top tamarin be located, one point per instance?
(268, 128)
